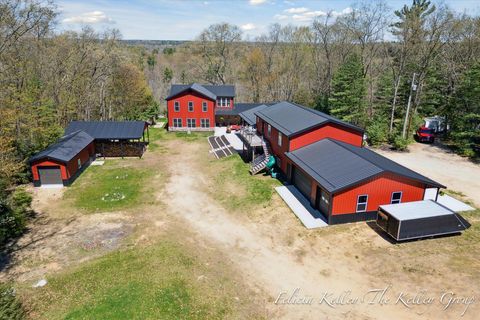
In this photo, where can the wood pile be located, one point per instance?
(120, 149)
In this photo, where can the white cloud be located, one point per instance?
(89, 18)
(257, 2)
(305, 15)
(297, 10)
(248, 27)
(345, 11)
(280, 16)
(206, 3)
(309, 15)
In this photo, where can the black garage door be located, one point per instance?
(302, 182)
(50, 175)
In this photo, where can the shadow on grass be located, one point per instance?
(386, 237)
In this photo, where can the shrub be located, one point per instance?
(400, 143)
(13, 213)
(10, 307)
(377, 132)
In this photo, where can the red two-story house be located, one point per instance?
(324, 159)
(194, 107)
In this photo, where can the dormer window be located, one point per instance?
(223, 102)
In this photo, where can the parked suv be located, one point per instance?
(425, 134)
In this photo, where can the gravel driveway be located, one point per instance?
(449, 169)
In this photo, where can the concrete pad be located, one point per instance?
(159, 125)
(51, 186)
(453, 204)
(301, 207)
(220, 131)
(98, 163)
(235, 141)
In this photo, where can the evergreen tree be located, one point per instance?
(347, 100)
(466, 114)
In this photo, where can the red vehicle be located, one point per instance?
(425, 134)
(235, 127)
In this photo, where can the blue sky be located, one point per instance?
(185, 19)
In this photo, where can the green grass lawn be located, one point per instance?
(156, 282)
(112, 186)
(157, 135)
(247, 191)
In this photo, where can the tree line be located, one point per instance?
(358, 67)
(47, 79)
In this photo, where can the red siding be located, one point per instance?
(197, 113)
(67, 170)
(379, 191)
(48, 163)
(84, 156)
(329, 130)
(279, 151)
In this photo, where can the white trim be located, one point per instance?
(279, 139)
(175, 105)
(176, 126)
(204, 106)
(366, 203)
(205, 120)
(194, 122)
(399, 200)
(193, 106)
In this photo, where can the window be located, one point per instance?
(396, 197)
(205, 123)
(177, 123)
(279, 139)
(176, 106)
(79, 162)
(191, 123)
(269, 130)
(190, 106)
(362, 203)
(223, 102)
(204, 106)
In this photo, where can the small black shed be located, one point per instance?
(419, 219)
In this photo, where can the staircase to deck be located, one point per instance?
(260, 163)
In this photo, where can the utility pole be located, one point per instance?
(413, 87)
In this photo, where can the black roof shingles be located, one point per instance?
(338, 165)
(66, 148)
(109, 130)
(210, 91)
(292, 119)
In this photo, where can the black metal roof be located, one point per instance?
(337, 165)
(291, 118)
(66, 148)
(236, 110)
(109, 130)
(210, 91)
(249, 115)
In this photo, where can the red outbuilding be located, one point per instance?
(324, 159)
(289, 126)
(63, 161)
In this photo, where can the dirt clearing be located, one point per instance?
(275, 253)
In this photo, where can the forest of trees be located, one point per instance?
(48, 79)
(358, 66)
